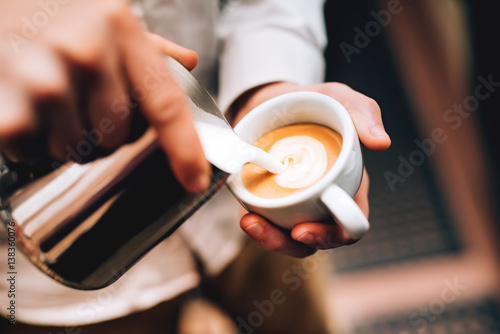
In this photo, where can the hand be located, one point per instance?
(305, 238)
(70, 89)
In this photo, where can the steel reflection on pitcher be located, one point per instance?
(86, 224)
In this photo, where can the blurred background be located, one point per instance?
(430, 262)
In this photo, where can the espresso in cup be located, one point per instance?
(308, 151)
(316, 193)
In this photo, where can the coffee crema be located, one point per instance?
(308, 152)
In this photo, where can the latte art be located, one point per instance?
(308, 152)
(306, 160)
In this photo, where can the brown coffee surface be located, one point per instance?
(309, 152)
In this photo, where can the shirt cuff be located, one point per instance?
(264, 56)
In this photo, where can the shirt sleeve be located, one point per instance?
(265, 41)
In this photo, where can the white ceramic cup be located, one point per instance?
(332, 195)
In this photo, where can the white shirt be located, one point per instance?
(244, 45)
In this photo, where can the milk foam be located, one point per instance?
(309, 152)
(224, 149)
(306, 160)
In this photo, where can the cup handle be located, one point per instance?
(345, 211)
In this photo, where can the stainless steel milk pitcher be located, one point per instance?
(87, 224)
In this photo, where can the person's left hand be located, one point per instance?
(307, 237)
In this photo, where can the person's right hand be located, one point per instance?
(72, 77)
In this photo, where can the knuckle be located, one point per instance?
(19, 121)
(49, 92)
(164, 109)
(91, 55)
(117, 13)
(39, 72)
(87, 51)
(115, 9)
(372, 105)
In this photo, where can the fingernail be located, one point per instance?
(377, 131)
(306, 238)
(200, 184)
(254, 230)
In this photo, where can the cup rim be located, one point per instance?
(348, 136)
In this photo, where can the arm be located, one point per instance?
(275, 45)
(87, 70)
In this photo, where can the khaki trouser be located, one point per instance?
(260, 292)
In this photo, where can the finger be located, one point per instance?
(17, 122)
(98, 84)
(272, 238)
(109, 123)
(55, 105)
(321, 235)
(108, 111)
(44, 79)
(365, 113)
(188, 58)
(165, 107)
